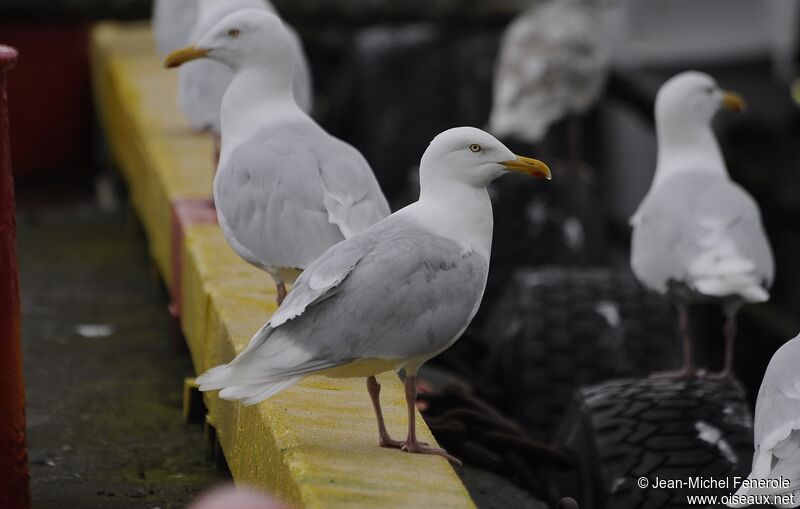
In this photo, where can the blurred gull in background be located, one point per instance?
(285, 189)
(202, 84)
(406, 287)
(777, 428)
(697, 235)
(553, 62)
(172, 23)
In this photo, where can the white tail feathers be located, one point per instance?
(746, 287)
(269, 364)
(722, 272)
(254, 393)
(241, 370)
(213, 379)
(256, 341)
(247, 385)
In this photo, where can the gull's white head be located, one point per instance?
(247, 37)
(470, 156)
(693, 97)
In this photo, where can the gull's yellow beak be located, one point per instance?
(528, 166)
(183, 55)
(733, 101)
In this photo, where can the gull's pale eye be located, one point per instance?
(709, 90)
(475, 147)
(233, 33)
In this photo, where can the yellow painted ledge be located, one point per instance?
(160, 157)
(315, 444)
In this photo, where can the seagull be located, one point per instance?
(202, 84)
(776, 461)
(697, 235)
(554, 60)
(391, 297)
(285, 189)
(172, 23)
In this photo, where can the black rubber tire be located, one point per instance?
(622, 430)
(548, 336)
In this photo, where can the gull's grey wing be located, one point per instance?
(353, 198)
(323, 276)
(777, 417)
(288, 194)
(409, 294)
(270, 204)
(393, 292)
(697, 226)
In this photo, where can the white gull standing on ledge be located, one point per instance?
(697, 235)
(285, 189)
(391, 297)
(776, 461)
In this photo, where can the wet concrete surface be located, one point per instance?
(103, 378)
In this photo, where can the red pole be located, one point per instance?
(14, 491)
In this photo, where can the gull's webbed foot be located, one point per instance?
(685, 373)
(726, 375)
(422, 448)
(387, 441)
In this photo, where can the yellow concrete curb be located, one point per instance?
(314, 445)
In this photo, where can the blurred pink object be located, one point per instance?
(231, 497)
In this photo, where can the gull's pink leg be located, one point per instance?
(729, 330)
(374, 389)
(411, 444)
(281, 292)
(217, 149)
(688, 370)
